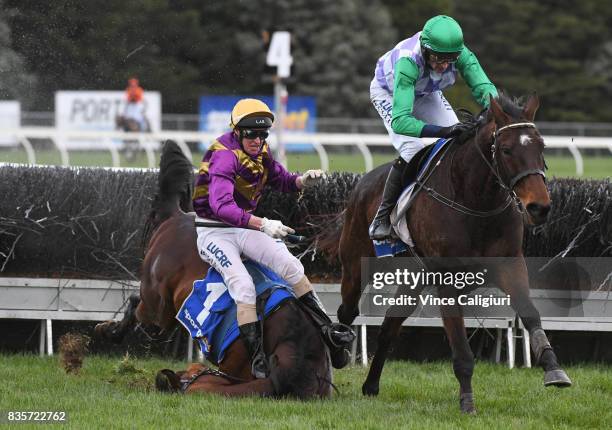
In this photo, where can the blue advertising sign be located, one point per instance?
(301, 114)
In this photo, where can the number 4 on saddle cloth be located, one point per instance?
(417, 169)
(209, 313)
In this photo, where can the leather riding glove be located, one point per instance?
(447, 132)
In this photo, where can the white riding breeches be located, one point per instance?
(222, 248)
(432, 108)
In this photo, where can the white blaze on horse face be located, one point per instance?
(525, 139)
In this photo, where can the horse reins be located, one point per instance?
(494, 167)
(458, 206)
(185, 383)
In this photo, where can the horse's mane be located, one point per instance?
(512, 106)
(174, 184)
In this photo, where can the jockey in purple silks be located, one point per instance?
(231, 178)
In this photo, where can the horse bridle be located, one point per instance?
(520, 175)
(494, 166)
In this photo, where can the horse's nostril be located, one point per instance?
(537, 210)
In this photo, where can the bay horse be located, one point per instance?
(299, 360)
(469, 209)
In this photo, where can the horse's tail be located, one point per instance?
(174, 187)
(328, 239)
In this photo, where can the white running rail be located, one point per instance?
(65, 141)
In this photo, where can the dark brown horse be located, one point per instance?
(469, 210)
(299, 360)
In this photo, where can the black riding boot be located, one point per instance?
(251, 336)
(336, 336)
(380, 228)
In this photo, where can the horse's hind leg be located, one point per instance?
(351, 251)
(116, 330)
(388, 334)
(351, 291)
(463, 358)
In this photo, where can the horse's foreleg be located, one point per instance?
(514, 281)
(388, 334)
(116, 330)
(463, 358)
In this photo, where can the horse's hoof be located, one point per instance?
(109, 330)
(99, 329)
(167, 381)
(558, 378)
(105, 330)
(369, 390)
(466, 403)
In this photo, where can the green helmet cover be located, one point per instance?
(442, 34)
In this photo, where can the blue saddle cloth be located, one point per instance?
(389, 247)
(209, 313)
(394, 246)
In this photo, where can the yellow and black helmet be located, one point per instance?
(251, 113)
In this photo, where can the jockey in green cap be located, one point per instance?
(407, 93)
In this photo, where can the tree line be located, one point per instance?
(560, 49)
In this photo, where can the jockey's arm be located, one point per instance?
(279, 178)
(222, 171)
(403, 122)
(296, 182)
(475, 77)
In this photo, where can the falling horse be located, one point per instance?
(468, 209)
(299, 359)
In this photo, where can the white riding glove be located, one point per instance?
(311, 177)
(274, 228)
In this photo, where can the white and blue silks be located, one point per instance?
(209, 313)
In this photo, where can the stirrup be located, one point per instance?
(260, 370)
(375, 233)
(338, 335)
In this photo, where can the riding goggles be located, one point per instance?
(254, 134)
(437, 58)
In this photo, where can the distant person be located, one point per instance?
(407, 94)
(134, 108)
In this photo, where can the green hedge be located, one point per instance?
(89, 222)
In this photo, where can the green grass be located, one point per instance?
(560, 166)
(412, 396)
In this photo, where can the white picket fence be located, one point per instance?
(65, 141)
